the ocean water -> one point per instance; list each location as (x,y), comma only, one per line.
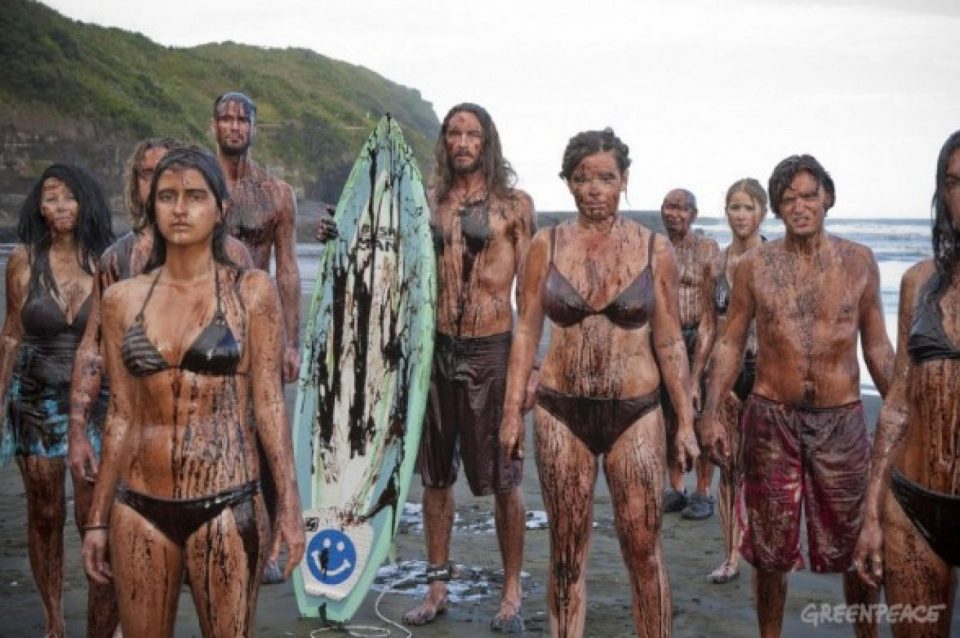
(896,243)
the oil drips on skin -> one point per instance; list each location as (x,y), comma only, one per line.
(475,230)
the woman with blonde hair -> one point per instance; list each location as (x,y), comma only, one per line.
(746,207)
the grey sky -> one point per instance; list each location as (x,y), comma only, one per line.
(704,92)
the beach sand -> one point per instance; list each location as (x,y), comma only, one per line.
(692,549)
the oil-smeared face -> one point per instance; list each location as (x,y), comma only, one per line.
(464,142)
(951,188)
(148,163)
(186,208)
(596,184)
(58,206)
(677,213)
(233,127)
(803,206)
(744,215)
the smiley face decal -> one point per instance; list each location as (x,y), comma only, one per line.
(331,556)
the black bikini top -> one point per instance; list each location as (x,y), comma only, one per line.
(631,309)
(927,339)
(42,316)
(214,352)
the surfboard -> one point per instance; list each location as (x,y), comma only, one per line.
(364,376)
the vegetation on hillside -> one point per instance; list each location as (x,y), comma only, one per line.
(313,112)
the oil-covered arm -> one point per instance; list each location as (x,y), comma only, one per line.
(670,350)
(85,383)
(117,437)
(707,330)
(525,341)
(877,349)
(726,360)
(524,228)
(17,278)
(288,280)
(890,435)
(265,339)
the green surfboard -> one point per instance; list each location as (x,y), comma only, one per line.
(364,376)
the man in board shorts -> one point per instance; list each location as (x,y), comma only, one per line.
(482,228)
(804,441)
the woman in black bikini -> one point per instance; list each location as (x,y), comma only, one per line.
(187,346)
(745,209)
(609,287)
(910,533)
(64,226)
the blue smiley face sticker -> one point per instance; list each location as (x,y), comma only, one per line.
(331,556)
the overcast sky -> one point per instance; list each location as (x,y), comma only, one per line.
(704,92)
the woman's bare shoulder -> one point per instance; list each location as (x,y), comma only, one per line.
(19,260)
(126,292)
(256,287)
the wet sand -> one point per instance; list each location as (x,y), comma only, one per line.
(692,549)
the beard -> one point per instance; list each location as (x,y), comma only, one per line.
(234,150)
(465,169)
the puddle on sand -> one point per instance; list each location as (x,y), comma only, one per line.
(467,583)
(471,519)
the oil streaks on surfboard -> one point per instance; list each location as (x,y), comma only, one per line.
(367,361)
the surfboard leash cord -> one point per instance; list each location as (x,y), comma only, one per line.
(371,631)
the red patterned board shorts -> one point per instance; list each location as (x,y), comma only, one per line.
(791,455)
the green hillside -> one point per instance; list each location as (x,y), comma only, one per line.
(314,112)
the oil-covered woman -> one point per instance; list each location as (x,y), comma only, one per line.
(609,287)
(746,206)
(64,226)
(188,346)
(910,538)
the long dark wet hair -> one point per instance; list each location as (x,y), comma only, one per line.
(131,193)
(180,159)
(497,172)
(92,235)
(946,238)
(787,169)
(590,142)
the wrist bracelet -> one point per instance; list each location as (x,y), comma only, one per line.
(93,526)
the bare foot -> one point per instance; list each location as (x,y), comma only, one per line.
(725,573)
(56,629)
(508,619)
(433,605)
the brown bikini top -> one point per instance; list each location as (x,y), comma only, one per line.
(631,309)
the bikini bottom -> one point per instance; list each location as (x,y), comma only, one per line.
(178,519)
(596,422)
(935,515)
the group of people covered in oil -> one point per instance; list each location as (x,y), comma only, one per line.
(153,367)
